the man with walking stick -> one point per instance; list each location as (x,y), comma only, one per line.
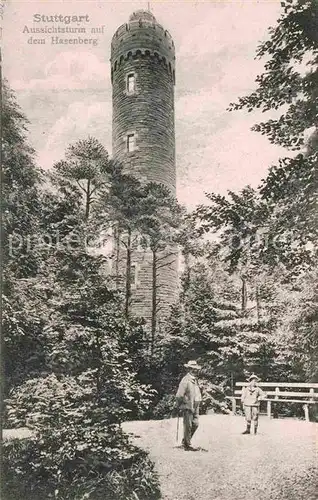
(188,400)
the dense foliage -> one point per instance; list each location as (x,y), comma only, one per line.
(77,363)
(248,301)
(289,82)
(268,236)
(70,354)
(78,446)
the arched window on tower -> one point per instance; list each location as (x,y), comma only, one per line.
(131,83)
(134,276)
(131,142)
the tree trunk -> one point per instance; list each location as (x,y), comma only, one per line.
(88,199)
(258,304)
(232,383)
(99,361)
(128,275)
(187,271)
(154,301)
(244,294)
(117,243)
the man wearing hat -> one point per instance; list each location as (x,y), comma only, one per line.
(251,396)
(188,400)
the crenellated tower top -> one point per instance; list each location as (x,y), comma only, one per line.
(143,35)
(142,14)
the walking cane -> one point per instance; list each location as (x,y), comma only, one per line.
(178,427)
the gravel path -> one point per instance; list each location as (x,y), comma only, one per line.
(280,463)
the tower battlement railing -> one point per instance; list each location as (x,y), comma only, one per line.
(143,35)
(135,25)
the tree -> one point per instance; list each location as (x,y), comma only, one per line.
(119,208)
(190,244)
(236,219)
(80,375)
(296,331)
(265,239)
(66,340)
(140,215)
(210,325)
(292,44)
(83,172)
(21,181)
(290,194)
(21,241)
(290,83)
(160,217)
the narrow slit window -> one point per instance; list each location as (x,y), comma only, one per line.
(133,274)
(131,143)
(131,83)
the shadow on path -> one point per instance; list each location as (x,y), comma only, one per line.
(191,449)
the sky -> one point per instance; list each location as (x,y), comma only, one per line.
(65,90)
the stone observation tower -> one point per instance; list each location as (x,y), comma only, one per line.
(143,140)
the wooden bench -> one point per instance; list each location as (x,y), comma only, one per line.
(282,392)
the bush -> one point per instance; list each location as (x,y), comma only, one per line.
(79,450)
(165,408)
(213,398)
(24,476)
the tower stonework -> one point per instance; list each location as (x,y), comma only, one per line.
(144,51)
(143,133)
